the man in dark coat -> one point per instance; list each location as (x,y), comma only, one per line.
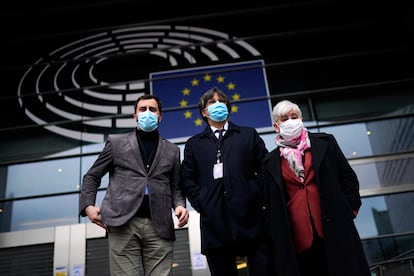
(313,197)
(220,177)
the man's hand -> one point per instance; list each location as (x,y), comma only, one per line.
(94,215)
(182,214)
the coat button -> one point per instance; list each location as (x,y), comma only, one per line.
(302,187)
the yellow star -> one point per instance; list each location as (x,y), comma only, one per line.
(234,108)
(236,97)
(207,77)
(183,103)
(194,82)
(220,79)
(186,91)
(231,86)
(188,114)
(198,122)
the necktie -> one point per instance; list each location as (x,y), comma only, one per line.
(220,133)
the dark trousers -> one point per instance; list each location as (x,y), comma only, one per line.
(222,261)
(313,261)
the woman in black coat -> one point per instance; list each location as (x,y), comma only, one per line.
(313,198)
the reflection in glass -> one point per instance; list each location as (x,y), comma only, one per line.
(353,139)
(43,212)
(390,173)
(365,221)
(388,248)
(87,163)
(385,223)
(387,214)
(374,138)
(367,176)
(93,148)
(391,136)
(43,177)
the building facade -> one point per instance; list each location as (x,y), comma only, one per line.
(68,84)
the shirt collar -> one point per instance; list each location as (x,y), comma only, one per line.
(225,127)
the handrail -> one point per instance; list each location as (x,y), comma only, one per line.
(393,260)
(378,237)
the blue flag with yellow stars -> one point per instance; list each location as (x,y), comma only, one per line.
(180,91)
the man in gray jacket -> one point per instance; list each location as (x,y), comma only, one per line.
(144,172)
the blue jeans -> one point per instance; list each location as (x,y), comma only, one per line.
(136,242)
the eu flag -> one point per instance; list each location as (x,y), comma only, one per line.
(180,90)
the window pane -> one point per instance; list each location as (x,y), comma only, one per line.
(34,142)
(87,163)
(367,176)
(374,138)
(352,139)
(386,248)
(44,177)
(390,136)
(37,213)
(394,172)
(356,104)
(93,148)
(388,214)
(269,140)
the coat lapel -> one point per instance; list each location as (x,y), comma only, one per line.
(157,157)
(318,150)
(273,167)
(133,142)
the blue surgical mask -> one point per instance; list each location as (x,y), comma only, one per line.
(218,112)
(147,121)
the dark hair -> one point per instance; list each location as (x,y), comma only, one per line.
(148,97)
(210,94)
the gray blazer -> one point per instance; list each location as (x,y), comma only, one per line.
(128,178)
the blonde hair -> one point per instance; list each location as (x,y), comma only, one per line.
(282,108)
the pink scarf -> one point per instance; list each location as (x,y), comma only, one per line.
(293,151)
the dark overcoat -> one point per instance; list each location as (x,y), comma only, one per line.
(339,195)
(231,207)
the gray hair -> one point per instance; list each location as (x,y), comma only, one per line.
(282,108)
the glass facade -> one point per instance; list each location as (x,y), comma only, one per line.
(384,169)
(64,92)
(41,180)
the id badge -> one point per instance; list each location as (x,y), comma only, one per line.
(218,170)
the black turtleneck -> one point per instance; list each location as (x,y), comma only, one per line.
(148,143)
